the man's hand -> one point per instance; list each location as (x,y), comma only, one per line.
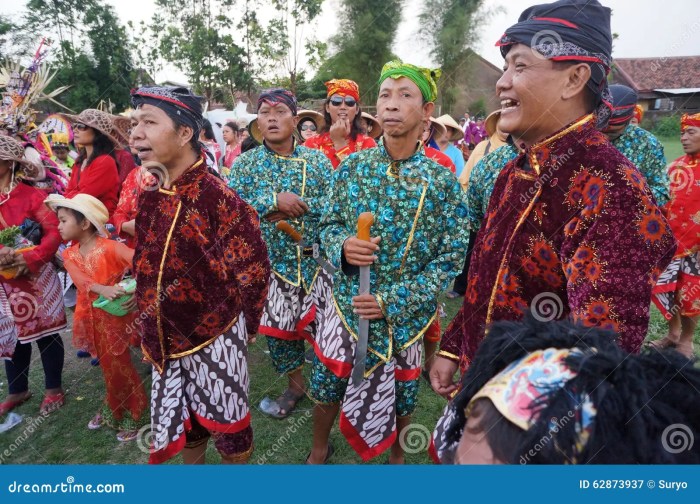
(291,205)
(442,373)
(367,307)
(360,252)
(339,132)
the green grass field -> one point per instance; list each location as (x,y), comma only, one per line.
(63,437)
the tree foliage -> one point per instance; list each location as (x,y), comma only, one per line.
(364,45)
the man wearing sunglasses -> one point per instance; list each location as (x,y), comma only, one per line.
(343,133)
(285,181)
(416,247)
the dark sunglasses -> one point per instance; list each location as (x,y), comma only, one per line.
(80,126)
(305,127)
(337,101)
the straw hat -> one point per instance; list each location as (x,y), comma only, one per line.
(92,208)
(104,123)
(12,150)
(438,125)
(375,130)
(254,131)
(316,117)
(491,122)
(453,129)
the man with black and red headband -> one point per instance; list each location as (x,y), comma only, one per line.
(200,297)
(572,229)
(284,181)
(677,293)
(637,144)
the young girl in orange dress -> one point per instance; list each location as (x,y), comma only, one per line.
(96,265)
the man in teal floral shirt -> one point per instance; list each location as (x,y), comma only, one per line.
(285,181)
(637,144)
(417,247)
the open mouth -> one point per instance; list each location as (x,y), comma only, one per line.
(508,104)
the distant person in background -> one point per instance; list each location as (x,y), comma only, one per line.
(446,142)
(677,293)
(231,136)
(637,144)
(206,137)
(61,150)
(638,115)
(308,126)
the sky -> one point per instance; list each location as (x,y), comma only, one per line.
(646,28)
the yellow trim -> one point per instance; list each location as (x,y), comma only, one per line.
(420,333)
(413,228)
(448,355)
(274,202)
(159,285)
(208,342)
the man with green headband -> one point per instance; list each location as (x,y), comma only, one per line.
(414,251)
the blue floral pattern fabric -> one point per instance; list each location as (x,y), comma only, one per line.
(481,181)
(647,154)
(258,176)
(420,214)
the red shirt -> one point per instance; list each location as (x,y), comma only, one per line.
(324,143)
(440,157)
(683,209)
(99,179)
(126,164)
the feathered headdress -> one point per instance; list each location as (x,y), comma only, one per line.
(23,88)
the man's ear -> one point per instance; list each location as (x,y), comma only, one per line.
(578,77)
(185,133)
(428,109)
(296,121)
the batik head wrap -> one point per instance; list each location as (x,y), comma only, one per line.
(688,120)
(179,103)
(343,87)
(624,100)
(569,30)
(425,78)
(276,96)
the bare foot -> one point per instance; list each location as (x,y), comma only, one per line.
(668,341)
(686,348)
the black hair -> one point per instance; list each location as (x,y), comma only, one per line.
(102,145)
(248,144)
(303,120)
(356,127)
(79,217)
(234,127)
(637,397)
(208,130)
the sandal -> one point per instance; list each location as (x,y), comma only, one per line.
(96,422)
(7,406)
(662,343)
(52,402)
(329,454)
(126,436)
(286,403)
(454,295)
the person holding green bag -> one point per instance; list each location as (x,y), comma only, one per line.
(96,265)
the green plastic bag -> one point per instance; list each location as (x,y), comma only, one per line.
(115,307)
